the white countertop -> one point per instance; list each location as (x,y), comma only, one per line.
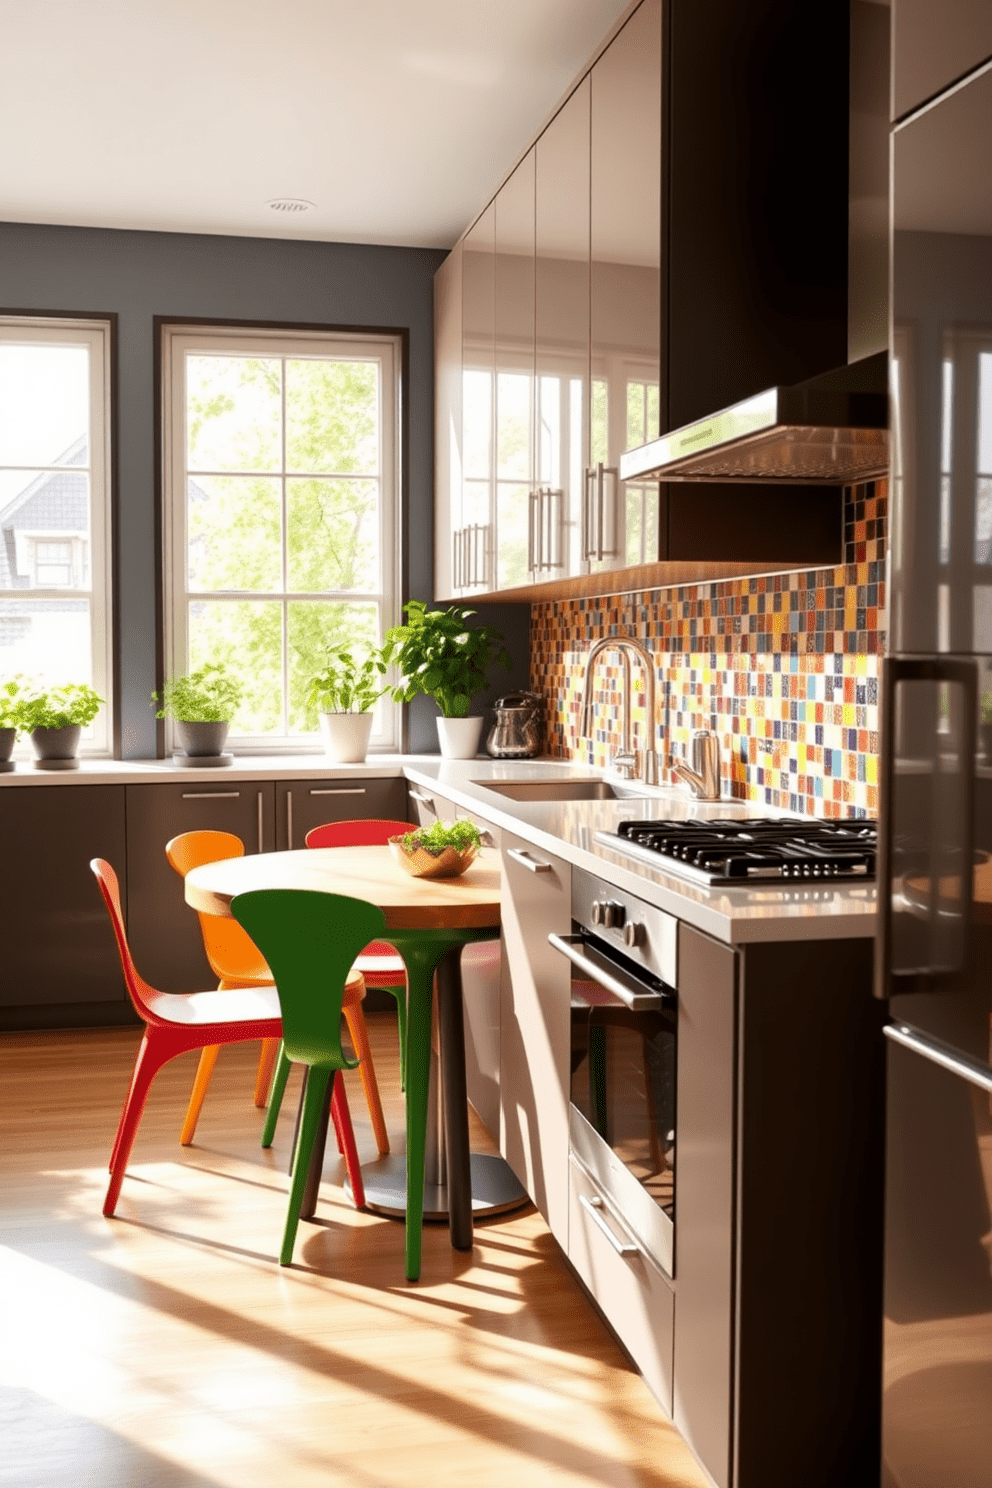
(565,828)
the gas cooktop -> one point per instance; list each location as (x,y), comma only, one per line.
(740,852)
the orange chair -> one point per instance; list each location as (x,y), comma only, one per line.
(237,962)
(379,963)
(177,1022)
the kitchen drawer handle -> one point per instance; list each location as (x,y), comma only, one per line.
(339,790)
(595,1208)
(634,997)
(211,795)
(937,1052)
(427,801)
(535,865)
(261,819)
(289,820)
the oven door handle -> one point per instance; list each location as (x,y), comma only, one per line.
(631,995)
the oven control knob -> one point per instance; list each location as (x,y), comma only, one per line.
(633,934)
(614,915)
(597,911)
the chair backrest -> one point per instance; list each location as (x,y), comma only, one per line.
(138,989)
(232,955)
(366,833)
(310,940)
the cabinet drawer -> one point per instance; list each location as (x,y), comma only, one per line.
(310,803)
(632,1293)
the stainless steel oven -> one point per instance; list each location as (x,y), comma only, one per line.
(624,1021)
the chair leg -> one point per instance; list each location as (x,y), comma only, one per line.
(148,1061)
(355,1019)
(313,1104)
(400,994)
(275,1096)
(208,1058)
(266,1064)
(342,1121)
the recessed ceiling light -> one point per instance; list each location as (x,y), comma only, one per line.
(290,205)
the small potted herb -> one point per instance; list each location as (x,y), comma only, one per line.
(344,694)
(11,694)
(55,718)
(443,850)
(440,655)
(202,704)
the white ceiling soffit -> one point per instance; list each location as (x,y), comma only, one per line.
(396,119)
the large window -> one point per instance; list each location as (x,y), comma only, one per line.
(55,506)
(281,530)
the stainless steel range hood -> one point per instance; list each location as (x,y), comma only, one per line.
(829,431)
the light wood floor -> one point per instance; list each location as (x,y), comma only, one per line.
(167,1349)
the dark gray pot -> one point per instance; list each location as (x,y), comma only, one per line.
(7,738)
(56,743)
(200,740)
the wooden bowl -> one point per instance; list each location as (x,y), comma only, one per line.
(450,863)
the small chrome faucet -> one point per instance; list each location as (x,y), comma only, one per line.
(703,779)
(625,760)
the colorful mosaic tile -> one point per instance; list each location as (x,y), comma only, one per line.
(783,666)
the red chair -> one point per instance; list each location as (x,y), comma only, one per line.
(178,1022)
(379,963)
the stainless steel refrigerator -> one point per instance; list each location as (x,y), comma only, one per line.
(935,880)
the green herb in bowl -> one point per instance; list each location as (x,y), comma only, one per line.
(444,850)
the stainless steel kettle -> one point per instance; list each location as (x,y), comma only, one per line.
(516,734)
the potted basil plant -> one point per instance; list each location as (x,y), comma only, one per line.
(55,718)
(344,694)
(11,695)
(201,703)
(440,655)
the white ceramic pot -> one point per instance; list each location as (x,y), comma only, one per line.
(346,736)
(459,737)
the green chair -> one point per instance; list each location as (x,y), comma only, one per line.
(310,941)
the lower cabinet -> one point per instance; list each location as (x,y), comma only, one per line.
(162,929)
(58,950)
(636,1297)
(302,805)
(535,1027)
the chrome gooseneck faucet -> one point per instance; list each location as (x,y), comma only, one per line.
(626,760)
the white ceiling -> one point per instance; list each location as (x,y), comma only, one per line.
(396,118)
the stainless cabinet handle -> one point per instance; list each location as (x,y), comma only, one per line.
(613,549)
(937,1052)
(289,820)
(534,865)
(595,1209)
(427,801)
(588,541)
(633,996)
(339,790)
(534,531)
(211,795)
(261,835)
(456,558)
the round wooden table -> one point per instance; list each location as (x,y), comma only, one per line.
(429,921)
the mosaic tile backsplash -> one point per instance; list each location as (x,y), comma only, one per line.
(784,667)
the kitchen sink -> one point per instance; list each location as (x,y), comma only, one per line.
(560,790)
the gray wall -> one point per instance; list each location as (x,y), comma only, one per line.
(137,276)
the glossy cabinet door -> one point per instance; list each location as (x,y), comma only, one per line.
(562,336)
(302,805)
(941,370)
(620,524)
(518,550)
(163,930)
(448,423)
(935,42)
(535,1027)
(473,532)
(58,947)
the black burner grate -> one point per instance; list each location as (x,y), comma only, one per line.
(762,848)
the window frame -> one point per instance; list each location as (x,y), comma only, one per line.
(181,338)
(97,333)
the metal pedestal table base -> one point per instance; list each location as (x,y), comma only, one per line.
(495,1189)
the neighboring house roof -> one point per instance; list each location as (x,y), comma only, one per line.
(55,501)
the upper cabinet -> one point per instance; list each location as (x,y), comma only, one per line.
(575,345)
(626,96)
(935,42)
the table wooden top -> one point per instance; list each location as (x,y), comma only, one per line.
(469,903)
